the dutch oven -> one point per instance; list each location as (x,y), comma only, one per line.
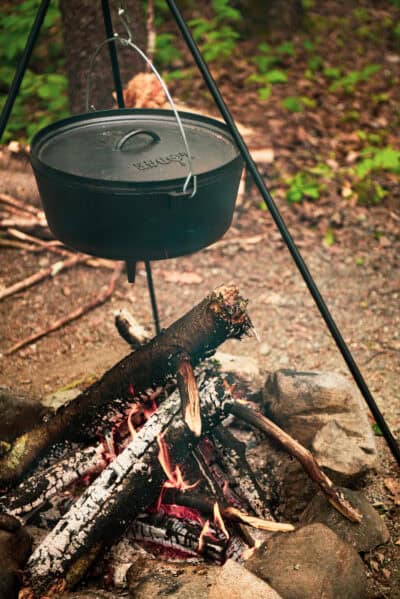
(115,183)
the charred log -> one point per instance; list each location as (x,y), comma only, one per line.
(125,488)
(220,316)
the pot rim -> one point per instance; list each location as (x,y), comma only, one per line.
(123,185)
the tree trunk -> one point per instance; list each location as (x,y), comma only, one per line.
(83,30)
(274,16)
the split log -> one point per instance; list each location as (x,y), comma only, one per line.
(219,316)
(41,486)
(232,454)
(130,484)
(189,393)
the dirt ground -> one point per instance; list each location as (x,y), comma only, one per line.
(358,274)
(363,298)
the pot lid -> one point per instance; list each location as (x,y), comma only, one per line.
(134,145)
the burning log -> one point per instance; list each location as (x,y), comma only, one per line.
(41,486)
(220,316)
(126,487)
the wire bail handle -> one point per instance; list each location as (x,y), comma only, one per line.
(127,42)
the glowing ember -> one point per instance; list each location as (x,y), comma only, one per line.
(133,410)
(218,521)
(182,512)
(247,553)
(131,389)
(206,530)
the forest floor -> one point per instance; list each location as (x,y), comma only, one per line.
(349,237)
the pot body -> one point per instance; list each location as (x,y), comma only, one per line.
(127,221)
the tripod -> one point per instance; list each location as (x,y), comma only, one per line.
(253,170)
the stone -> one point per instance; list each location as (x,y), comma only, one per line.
(242,365)
(149,578)
(15,548)
(365,536)
(61,397)
(236,582)
(18,413)
(324,412)
(313,563)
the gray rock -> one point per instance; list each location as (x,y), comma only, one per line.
(365,536)
(15,548)
(241,365)
(310,563)
(325,412)
(149,578)
(18,413)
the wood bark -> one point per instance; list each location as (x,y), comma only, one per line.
(220,316)
(83,31)
(130,484)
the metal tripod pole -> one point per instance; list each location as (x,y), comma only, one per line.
(297,257)
(120,98)
(23,64)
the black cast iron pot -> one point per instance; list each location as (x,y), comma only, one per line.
(112,182)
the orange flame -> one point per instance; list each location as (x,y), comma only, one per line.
(251,550)
(218,521)
(174,476)
(204,532)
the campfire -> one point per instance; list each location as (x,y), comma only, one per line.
(146,453)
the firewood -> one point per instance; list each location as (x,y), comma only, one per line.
(130,329)
(305,457)
(9,200)
(42,485)
(220,316)
(126,487)
(232,454)
(189,393)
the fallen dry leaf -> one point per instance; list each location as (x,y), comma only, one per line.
(188,278)
(393,486)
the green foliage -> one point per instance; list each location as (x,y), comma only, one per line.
(349,81)
(217,38)
(267,62)
(378,159)
(298,103)
(42,97)
(329,238)
(166,51)
(302,186)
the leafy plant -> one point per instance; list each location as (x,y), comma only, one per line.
(298,103)
(349,81)
(166,51)
(42,97)
(302,185)
(267,62)
(378,159)
(216,36)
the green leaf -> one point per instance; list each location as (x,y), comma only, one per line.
(264,92)
(276,76)
(286,48)
(329,238)
(293,104)
(377,430)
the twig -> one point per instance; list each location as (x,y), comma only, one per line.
(38,276)
(302,454)
(54,246)
(28,225)
(94,303)
(189,393)
(9,243)
(11,201)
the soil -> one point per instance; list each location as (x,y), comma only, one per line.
(358,274)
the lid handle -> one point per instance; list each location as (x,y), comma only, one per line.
(186,191)
(120,144)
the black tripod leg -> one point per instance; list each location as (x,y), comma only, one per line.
(20,72)
(118,88)
(297,257)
